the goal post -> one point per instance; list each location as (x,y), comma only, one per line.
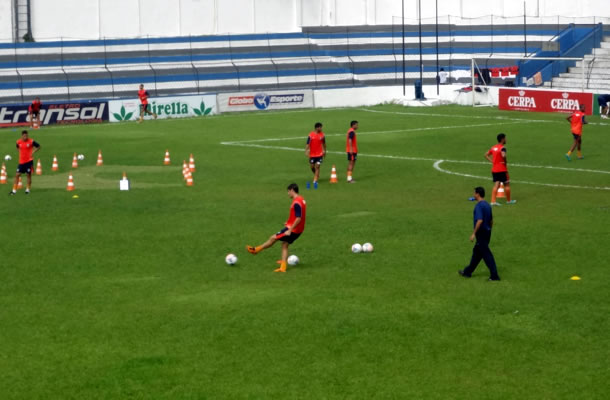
(527,72)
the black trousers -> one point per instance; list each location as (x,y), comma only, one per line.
(480,252)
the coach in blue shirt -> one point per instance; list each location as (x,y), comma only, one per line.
(483,221)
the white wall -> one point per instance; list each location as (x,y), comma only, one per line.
(92,19)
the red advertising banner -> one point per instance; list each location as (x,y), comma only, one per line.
(544,100)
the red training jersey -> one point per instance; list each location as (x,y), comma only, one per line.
(26,148)
(576,121)
(143,95)
(35,106)
(498,153)
(297,209)
(351,134)
(316,144)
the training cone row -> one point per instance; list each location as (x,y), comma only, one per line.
(55,166)
(19,183)
(501,193)
(3,175)
(74,161)
(70,187)
(100,160)
(166,160)
(333,175)
(38,168)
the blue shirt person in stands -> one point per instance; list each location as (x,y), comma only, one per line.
(483,222)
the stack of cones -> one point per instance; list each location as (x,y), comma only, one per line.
(333,175)
(100,161)
(38,168)
(19,183)
(191,163)
(166,161)
(501,191)
(70,186)
(185,169)
(74,161)
(55,166)
(3,175)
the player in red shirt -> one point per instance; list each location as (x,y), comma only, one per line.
(577,120)
(27,147)
(294,226)
(497,157)
(351,148)
(34,112)
(316,150)
(144,106)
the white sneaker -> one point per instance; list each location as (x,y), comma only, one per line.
(604,116)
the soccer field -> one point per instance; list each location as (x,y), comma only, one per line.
(126,294)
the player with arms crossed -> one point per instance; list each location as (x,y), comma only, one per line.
(144,106)
(292,228)
(27,147)
(577,120)
(34,112)
(497,157)
(351,148)
(316,150)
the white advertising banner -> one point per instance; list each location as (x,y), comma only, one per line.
(262,101)
(164,107)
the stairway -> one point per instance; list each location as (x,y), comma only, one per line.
(596,71)
(22,19)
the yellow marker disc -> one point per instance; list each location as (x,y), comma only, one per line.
(575,278)
(75,196)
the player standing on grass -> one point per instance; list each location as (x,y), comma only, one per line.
(27,147)
(497,157)
(34,112)
(144,106)
(316,150)
(351,148)
(577,119)
(292,229)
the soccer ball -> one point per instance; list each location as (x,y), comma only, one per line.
(231,259)
(367,248)
(8,157)
(356,248)
(80,157)
(293,260)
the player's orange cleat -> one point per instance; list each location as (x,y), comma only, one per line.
(252,249)
(282,267)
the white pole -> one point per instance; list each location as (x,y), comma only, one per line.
(582,72)
(472,76)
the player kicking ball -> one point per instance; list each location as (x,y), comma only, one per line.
(27,147)
(292,229)
(316,150)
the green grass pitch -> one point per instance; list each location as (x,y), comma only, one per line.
(126,294)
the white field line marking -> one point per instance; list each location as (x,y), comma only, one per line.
(373,132)
(438,168)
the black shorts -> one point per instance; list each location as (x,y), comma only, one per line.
(500,177)
(316,160)
(144,108)
(288,239)
(352,156)
(35,113)
(577,137)
(25,168)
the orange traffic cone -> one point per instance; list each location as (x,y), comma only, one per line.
(19,183)
(501,191)
(185,169)
(333,175)
(74,161)
(55,166)
(38,168)
(100,161)
(166,161)
(189,179)
(191,163)
(70,186)
(3,175)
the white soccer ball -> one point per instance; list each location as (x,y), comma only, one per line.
(367,248)
(231,259)
(8,157)
(293,260)
(81,157)
(356,248)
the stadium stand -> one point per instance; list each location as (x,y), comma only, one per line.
(317,57)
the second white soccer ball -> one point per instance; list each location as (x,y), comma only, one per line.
(231,259)
(8,157)
(367,248)
(293,260)
(81,157)
(356,248)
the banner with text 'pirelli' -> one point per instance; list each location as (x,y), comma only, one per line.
(263,101)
